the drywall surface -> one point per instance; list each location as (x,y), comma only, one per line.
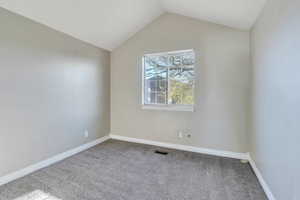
(275,133)
(222,85)
(52,88)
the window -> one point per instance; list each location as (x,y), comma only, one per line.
(168,80)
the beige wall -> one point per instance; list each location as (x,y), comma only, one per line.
(52,88)
(222,86)
(275,135)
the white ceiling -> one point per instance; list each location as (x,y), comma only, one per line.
(108,23)
(239,14)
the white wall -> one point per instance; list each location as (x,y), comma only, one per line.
(52,88)
(275,134)
(222,86)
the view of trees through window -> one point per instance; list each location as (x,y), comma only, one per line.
(169,78)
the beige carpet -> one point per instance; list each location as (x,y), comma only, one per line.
(125,171)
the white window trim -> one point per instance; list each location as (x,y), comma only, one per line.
(164,107)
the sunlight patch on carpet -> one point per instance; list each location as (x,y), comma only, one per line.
(37,195)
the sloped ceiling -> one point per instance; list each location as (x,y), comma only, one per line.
(239,14)
(108,23)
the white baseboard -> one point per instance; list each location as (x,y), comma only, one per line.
(227,154)
(245,156)
(32,168)
(261,180)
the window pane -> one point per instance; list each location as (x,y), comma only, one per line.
(169,78)
(155,85)
(181,79)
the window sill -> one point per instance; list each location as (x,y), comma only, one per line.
(168,108)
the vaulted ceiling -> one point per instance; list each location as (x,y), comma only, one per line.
(108,23)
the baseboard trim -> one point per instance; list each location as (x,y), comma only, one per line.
(261,180)
(227,154)
(45,163)
(35,167)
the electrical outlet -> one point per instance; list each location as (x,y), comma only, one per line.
(86,133)
(180,134)
(185,133)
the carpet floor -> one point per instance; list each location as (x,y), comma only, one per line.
(117,170)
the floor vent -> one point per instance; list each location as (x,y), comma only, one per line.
(161,152)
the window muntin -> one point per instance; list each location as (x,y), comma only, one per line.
(168,79)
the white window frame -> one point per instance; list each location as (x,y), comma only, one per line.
(165,107)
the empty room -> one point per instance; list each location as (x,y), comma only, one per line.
(149,100)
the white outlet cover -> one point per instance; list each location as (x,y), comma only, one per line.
(180,135)
(86,134)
